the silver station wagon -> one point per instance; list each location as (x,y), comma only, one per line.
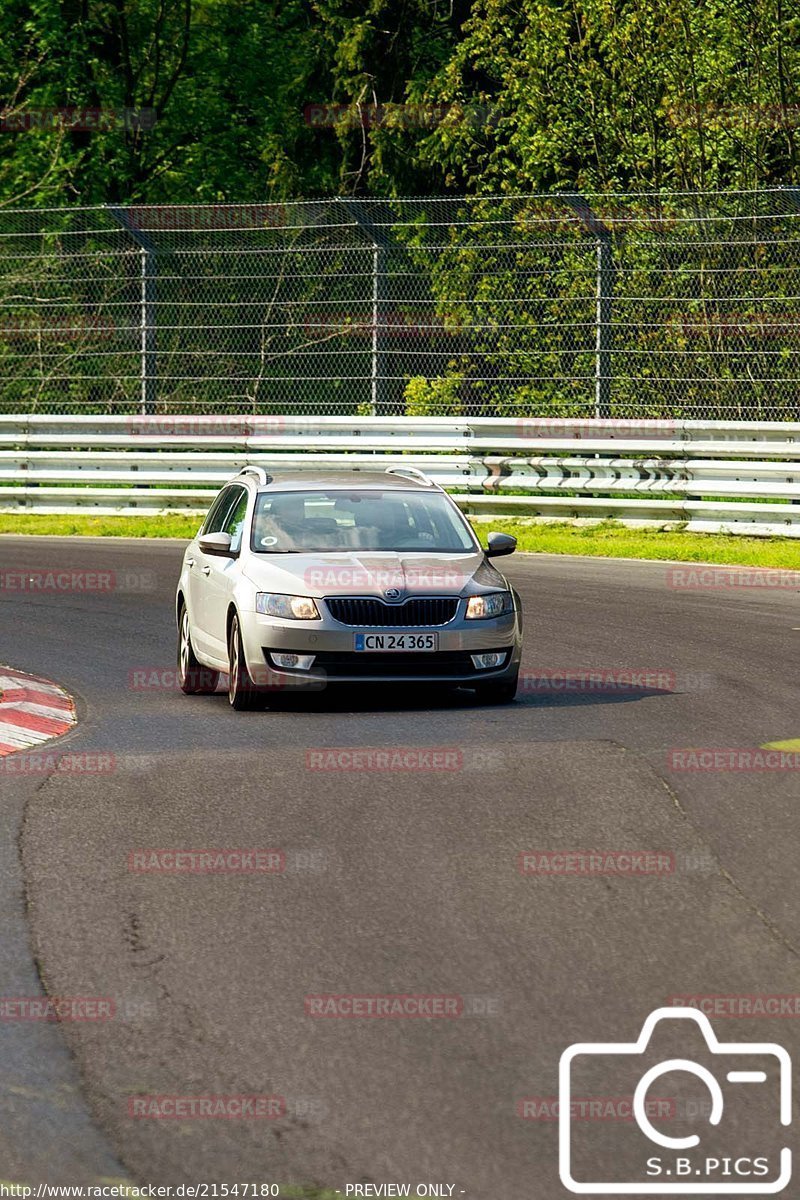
(305,580)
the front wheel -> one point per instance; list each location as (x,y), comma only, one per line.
(497,691)
(193,678)
(242,695)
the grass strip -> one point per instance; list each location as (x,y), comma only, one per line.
(608,539)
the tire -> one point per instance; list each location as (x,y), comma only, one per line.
(497,691)
(242,695)
(193,678)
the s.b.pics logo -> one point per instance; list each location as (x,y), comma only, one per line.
(722,1134)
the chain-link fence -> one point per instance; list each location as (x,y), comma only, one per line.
(623,306)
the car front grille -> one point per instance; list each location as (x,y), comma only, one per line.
(368,611)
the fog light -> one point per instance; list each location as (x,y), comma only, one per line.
(298,662)
(483,662)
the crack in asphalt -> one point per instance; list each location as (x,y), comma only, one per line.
(59,1079)
(764,917)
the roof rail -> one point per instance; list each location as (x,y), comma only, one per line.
(412,473)
(260,474)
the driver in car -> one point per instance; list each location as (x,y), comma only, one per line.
(283,526)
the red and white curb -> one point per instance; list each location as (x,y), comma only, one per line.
(32,711)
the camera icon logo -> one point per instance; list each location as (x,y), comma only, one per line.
(748,1079)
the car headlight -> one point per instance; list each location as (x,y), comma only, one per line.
(294,608)
(492,604)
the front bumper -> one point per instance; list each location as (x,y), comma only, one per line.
(332,644)
(453,666)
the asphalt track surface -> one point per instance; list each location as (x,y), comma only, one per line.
(396,881)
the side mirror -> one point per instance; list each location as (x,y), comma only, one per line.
(216,543)
(501,543)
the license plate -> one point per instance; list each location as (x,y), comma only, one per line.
(390,642)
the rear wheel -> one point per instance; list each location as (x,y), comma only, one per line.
(241,692)
(193,678)
(497,691)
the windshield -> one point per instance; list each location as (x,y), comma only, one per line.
(302,522)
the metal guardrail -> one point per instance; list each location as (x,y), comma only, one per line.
(737,476)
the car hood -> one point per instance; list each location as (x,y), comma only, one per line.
(364,573)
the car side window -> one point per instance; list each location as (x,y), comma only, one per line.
(219,510)
(234,521)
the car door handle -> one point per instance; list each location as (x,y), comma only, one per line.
(190,562)
(206,570)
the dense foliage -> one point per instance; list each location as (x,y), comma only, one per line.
(450,306)
(203,100)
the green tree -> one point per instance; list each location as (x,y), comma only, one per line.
(605,94)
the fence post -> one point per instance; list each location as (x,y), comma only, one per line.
(793,195)
(605,285)
(604,293)
(380,246)
(147,309)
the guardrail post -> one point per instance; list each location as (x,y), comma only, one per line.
(147,309)
(603,303)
